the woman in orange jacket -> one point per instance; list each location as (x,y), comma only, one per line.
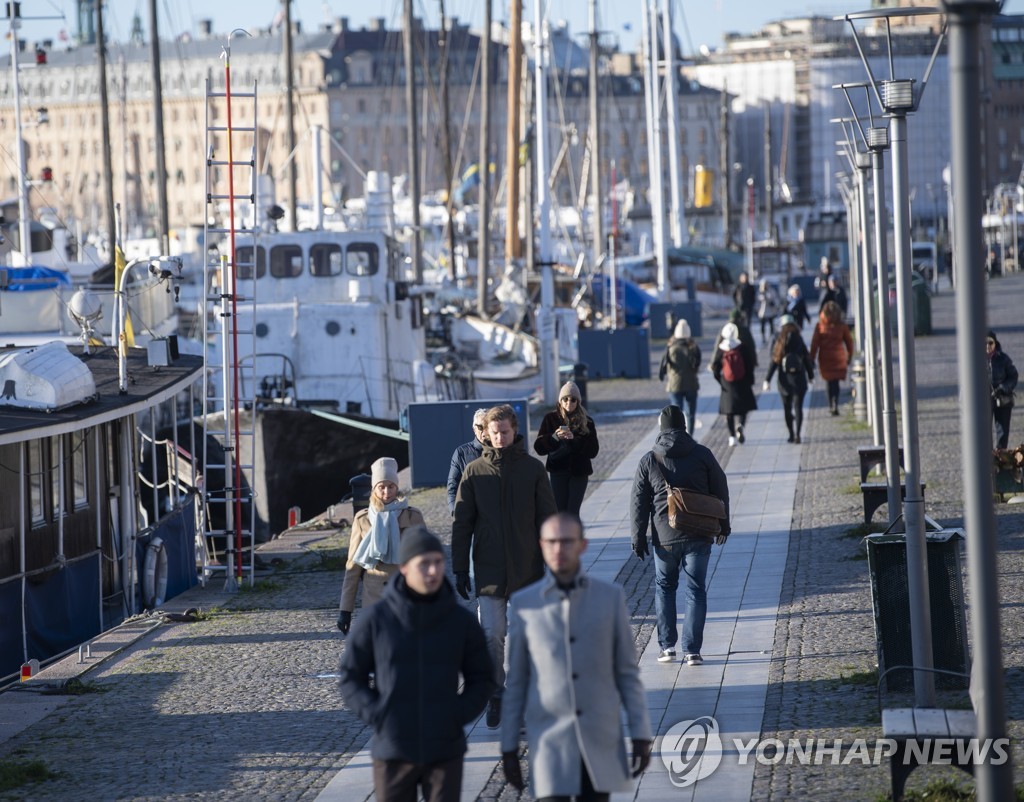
(832,347)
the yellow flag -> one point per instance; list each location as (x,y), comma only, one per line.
(119,266)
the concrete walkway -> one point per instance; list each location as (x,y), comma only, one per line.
(745,578)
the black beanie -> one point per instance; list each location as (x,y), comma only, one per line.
(671,418)
(417,540)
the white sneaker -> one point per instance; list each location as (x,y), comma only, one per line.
(667,656)
(693,659)
(732,440)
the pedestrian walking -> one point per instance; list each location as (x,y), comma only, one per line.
(570,691)
(1002,375)
(733,368)
(744,296)
(832,347)
(795,368)
(375,540)
(679,366)
(768,303)
(676,461)
(465,454)
(568,438)
(834,292)
(821,280)
(796,306)
(503,499)
(401,671)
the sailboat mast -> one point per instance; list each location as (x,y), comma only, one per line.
(724,168)
(595,140)
(414,143)
(769,206)
(108,172)
(24,231)
(158,125)
(446,138)
(483,227)
(513,246)
(677,218)
(293,211)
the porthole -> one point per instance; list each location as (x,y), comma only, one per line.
(262,330)
(332,328)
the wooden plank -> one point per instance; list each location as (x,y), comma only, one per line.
(930,722)
(962,723)
(898,722)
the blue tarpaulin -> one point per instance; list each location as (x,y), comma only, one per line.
(33,279)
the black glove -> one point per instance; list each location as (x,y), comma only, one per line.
(640,549)
(462,584)
(513,773)
(641,756)
(344,621)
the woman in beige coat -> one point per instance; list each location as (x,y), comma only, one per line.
(373,542)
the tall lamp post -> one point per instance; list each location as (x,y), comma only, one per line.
(987,690)
(897,98)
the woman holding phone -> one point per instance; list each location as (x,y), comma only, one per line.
(568,438)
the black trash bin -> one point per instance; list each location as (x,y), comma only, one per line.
(361,488)
(579,376)
(890,600)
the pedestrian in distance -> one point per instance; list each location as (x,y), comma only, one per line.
(733,366)
(832,347)
(568,438)
(503,499)
(795,368)
(796,306)
(375,540)
(465,454)
(1002,375)
(401,671)
(821,280)
(569,690)
(744,297)
(834,292)
(679,366)
(768,303)
(676,461)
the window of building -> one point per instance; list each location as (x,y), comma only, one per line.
(325,260)
(286,261)
(244,262)
(362,259)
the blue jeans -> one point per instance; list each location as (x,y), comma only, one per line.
(689,408)
(691,556)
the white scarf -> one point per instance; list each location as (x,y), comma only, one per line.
(381,542)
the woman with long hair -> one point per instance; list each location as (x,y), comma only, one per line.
(568,438)
(832,347)
(374,540)
(679,371)
(795,368)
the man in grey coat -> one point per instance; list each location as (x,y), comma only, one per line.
(572,669)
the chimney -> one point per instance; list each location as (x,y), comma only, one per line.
(377,24)
(205,28)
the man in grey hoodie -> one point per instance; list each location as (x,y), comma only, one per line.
(676,460)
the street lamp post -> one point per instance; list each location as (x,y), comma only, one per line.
(994,782)
(898,98)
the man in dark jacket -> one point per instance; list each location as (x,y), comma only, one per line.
(416,642)
(464,455)
(1002,374)
(503,499)
(744,296)
(686,464)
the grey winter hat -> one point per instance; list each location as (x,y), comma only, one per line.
(417,540)
(384,469)
(671,417)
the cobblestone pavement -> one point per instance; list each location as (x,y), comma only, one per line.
(244,705)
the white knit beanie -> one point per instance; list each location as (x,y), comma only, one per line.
(383,470)
(682,331)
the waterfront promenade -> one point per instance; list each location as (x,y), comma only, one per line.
(244,704)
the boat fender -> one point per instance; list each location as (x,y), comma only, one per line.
(154,574)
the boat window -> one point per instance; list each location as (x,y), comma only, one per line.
(244,262)
(34,468)
(286,261)
(325,260)
(56,467)
(361,259)
(79,470)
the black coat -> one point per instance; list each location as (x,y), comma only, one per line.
(416,649)
(1002,373)
(798,309)
(566,456)
(687,464)
(737,398)
(793,383)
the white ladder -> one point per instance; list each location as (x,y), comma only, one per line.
(229,387)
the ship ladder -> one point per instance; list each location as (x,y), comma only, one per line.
(229,386)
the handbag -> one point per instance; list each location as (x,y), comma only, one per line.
(693,512)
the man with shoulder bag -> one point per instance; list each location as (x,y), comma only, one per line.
(682,489)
